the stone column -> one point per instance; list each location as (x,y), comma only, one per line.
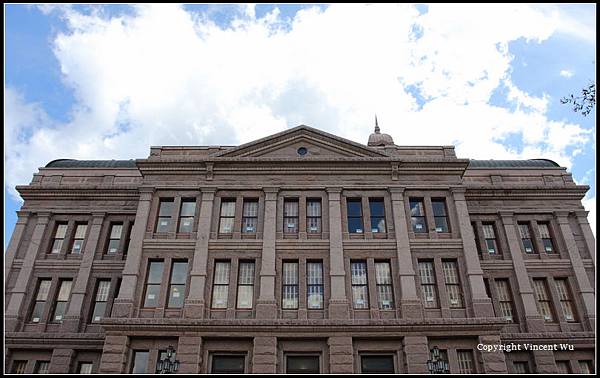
(338,303)
(74,312)
(586,292)
(13,313)
(124,304)
(544,362)
(341,357)
(533,319)
(195,305)
(114,354)
(416,353)
(266,305)
(493,362)
(15,241)
(410,304)
(61,361)
(588,235)
(482,304)
(264,355)
(189,354)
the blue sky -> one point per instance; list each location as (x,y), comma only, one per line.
(103,82)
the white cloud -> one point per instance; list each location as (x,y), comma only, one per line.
(164,76)
(566,73)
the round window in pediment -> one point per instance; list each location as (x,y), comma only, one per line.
(302,151)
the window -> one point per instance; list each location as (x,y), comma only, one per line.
(355,223)
(490,238)
(383,279)
(115,238)
(227,216)
(302,365)
(465,361)
(289,290)
(543,300)
(79,237)
(177,284)
(360,293)
(377,364)
(140,361)
(245,285)
(187,214)
(505,299)
(563,367)
(59,237)
(314,284)
(525,234)
(41,367)
(155,272)
(164,215)
(417,215)
(546,238)
(40,300)
(439,214)
(101,300)
(250,216)
(61,300)
(162,356)
(443,356)
(452,284)
(85,367)
(290,215)
(377,214)
(19,367)
(564,295)
(313,215)
(427,275)
(586,367)
(221,284)
(521,367)
(228,364)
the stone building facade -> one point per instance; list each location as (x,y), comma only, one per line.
(301,252)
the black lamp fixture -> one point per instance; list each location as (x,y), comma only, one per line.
(436,364)
(169,364)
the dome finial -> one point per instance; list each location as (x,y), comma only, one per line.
(377,131)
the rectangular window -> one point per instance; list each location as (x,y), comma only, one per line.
(546,238)
(61,301)
(165,213)
(162,356)
(41,367)
(360,292)
(377,364)
(250,216)
(290,215)
(177,284)
(302,365)
(490,238)
(40,300)
(155,272)
(245,292)
(543,299)
(221,284)
(314,284)
(465,361)
(563,367)
(187,215)
(85,367)
(377,209)
(80,230)
(439,214)
(59,237)
(114,240)
(452,281)
(383,279)
(417,215)
(564,295)
(443,356)
(505,299)
(427,275)
(227,216)
(313,215)
(521,367)
(355,222)
(586,367)
(19,367)
(140,361)
(228,364)
(289,288)
(525,234)
(101,300)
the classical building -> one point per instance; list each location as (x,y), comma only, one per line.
(301,252)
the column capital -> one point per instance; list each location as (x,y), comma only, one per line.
(270,193)
(208,194)
(146,193)
(397,193)
(506,214)
(22,216)
(43,216)
(334,190)
(582,215)
(561,214)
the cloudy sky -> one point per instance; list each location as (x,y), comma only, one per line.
(107,82)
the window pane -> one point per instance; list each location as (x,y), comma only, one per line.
(315,297)
(59,311)
(140,362)
(416,207)
(152,292)
(544,231)
(290,297)
(376,206)
(354,207)
(222,273)
(386,299)
(313,208)
(418,224)
(99,311)
(360,297)
(42,367)
(116,230)
(359,273)
(103,289)
(85,368)
(65,290)
(61,231)
(246,273)
(450,272)
(382,273)
(250,208)
(188,208)
(290,208)
(179,272)
(524,231)
(228,364)
(245,294)
(176,296)
(441,224)
(113,245)
(57,246)
(186,224)
(228,208)
(426,272)
(439,207)
(355,225)
(314,272)
(19,367)
(488,231)
(166,207)
(377,364)
(220,296)
(302,365)
(38,310)
(226,225)
(465,361)
(80,231)
(43,290)
(290,273)
(249,224)
(155,272)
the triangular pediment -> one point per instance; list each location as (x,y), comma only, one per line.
(286,144)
